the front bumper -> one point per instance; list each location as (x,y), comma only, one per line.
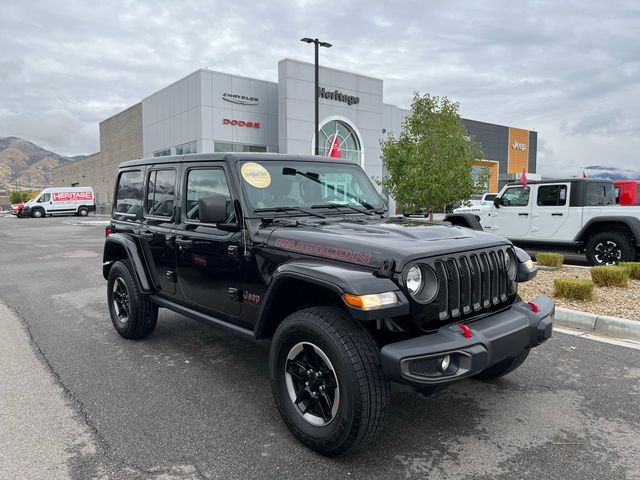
(493,339)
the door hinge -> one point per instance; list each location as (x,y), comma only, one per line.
(235,294)
(171,276)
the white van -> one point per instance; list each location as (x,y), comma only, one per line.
(60,201)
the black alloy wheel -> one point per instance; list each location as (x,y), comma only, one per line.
(312,384)
(83,212)
(37,213)
(120,296)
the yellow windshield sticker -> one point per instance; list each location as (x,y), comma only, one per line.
(255,175)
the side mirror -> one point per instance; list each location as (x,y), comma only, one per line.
(212,209)
(496,202)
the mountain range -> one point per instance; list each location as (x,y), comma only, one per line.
(598,171)
(26,164)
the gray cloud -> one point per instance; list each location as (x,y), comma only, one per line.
(566,69)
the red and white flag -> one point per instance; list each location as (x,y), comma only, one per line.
(334,151)
(523,178)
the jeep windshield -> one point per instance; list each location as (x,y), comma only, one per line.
(298,187)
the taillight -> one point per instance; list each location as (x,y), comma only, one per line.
(107,232)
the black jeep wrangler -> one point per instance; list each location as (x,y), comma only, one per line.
(298,253)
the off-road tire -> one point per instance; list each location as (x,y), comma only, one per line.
(504,367)
(83,211)
(621,240)
(355,358)
(38,213)
(142,314)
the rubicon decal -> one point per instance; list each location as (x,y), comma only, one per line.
(71,196)
(240,123)
(324,251)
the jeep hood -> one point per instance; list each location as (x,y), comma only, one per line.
(373,242)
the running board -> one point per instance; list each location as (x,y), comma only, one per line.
(204,318)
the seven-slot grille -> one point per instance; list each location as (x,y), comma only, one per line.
(470,282)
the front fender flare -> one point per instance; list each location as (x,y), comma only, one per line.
(114,245)
(339,279)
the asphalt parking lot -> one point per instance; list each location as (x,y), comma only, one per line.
(193,402)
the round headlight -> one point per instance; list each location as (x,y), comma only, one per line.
(414,280)
(510,264)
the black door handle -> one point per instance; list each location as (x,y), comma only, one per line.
(557,214)
(523,214)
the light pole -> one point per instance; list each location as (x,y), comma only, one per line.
(317,44)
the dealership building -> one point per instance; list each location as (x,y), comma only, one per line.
(209,111)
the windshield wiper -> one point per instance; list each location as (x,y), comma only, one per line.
(337,205)
(286,209)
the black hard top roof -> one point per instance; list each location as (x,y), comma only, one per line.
(562,180)
(233,157)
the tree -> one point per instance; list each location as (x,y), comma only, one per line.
(429,164)
(18,196)
(15,196)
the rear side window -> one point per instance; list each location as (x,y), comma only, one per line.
(161,192)
(552,195)
(128,202)
(597,195)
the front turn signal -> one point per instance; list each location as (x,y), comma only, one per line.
(371,301)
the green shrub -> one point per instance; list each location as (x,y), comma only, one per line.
(550,259)
(633,268)
(573,288)
(610,276)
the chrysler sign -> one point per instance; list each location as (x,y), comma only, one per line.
(240,99)
(338,96)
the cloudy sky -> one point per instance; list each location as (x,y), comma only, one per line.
(569,70)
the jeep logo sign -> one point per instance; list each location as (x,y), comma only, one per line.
(519,146)
(338,96)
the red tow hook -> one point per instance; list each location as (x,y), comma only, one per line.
(534,307)
(466,331)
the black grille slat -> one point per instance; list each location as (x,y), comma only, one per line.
(442,296)
(502,273)
(453,278)
(465,285)
(485,274)
(493,266)
(476,283)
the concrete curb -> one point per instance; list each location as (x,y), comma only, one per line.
(612,326)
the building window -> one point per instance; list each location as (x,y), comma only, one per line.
(187,148)
(477,172)
(338,137)
(223,147)
(162,153)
